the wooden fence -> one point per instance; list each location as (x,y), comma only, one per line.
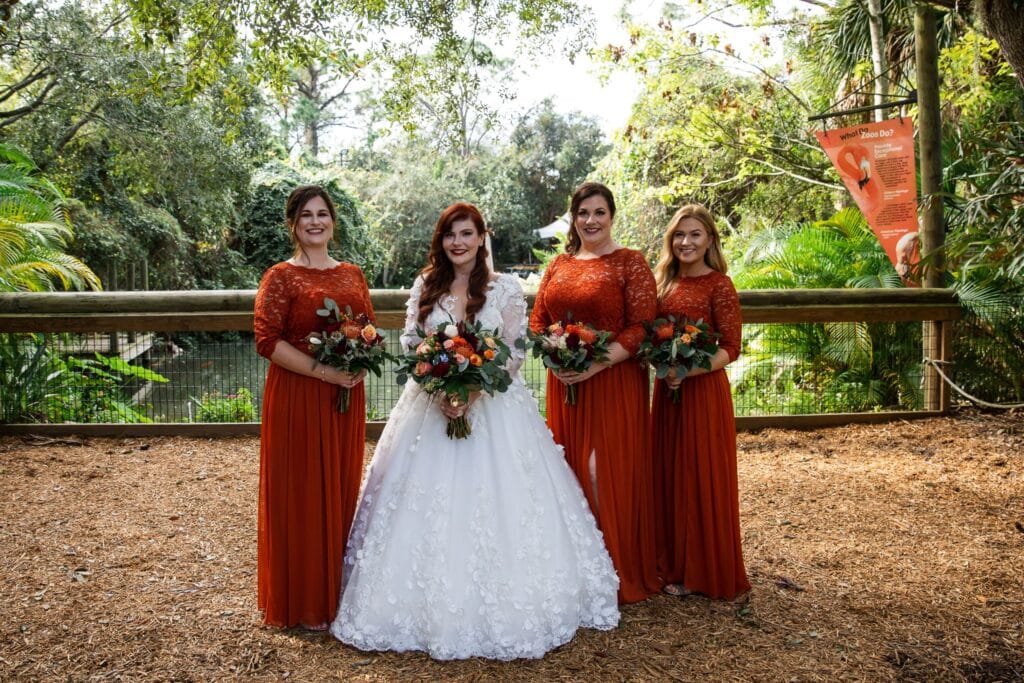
(232,310)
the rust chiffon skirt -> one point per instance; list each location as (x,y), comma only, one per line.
(698,514)
(610,419)
(311,459)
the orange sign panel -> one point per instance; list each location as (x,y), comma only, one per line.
(876,162)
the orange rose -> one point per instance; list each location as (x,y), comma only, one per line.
(691,329)
(663,332)
(586,335)
(488,354)
(369,334)
(351,330)
(686,338)
(476,360)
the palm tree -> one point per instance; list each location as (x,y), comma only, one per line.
(826,367)
(34,231)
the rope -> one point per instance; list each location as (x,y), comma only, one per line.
(935,364)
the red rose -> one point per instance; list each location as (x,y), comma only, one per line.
(440,370)
(572,340)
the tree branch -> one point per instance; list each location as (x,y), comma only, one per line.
(10,90)
(831,186)
(12,115)
(70,133)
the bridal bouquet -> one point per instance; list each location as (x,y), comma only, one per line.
(678,344)
(457,359)
(574,346)
(347,342)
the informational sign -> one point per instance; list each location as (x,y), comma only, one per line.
(876,162)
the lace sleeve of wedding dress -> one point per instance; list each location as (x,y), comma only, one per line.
(513,319)
(412,311)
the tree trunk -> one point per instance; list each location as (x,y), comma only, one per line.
(878,61)
(1004,21)
(312,138)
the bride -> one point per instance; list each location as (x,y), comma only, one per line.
(475,547)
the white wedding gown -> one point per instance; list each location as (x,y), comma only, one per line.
(476,547)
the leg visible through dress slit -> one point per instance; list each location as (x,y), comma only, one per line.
(592,466)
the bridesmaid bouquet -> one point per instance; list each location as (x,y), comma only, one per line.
(457,359)
(573,346)
(680,344)
(347,342)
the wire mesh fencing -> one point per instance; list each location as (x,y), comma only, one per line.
(784,369)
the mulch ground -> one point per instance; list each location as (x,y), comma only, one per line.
(876,553)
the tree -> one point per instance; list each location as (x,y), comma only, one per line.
(34,231)
(702,132)
(1004,21)
(534,175)
(275,36)
(402,201)
(831,366)
(261,236)
(156,178)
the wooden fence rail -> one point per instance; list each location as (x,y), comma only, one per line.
(231,310)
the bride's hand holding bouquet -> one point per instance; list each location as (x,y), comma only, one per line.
(677,348)
(457,360)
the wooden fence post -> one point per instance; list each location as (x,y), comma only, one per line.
(930,148)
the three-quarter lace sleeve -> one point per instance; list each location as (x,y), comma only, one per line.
(271,310)
(641,301)
(513,320)
(727,317)
(540,318)
(367,301)
(409,337)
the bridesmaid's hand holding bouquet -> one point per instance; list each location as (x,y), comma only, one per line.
(349,343)
(678,346)
(457,360)
(571,347)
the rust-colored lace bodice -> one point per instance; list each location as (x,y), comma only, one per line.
(713,298)
(614,292)
(289,296)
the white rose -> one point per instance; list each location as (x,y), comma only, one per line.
(451,331)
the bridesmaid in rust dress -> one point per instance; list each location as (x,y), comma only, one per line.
(694,450)
(604,435)
(311,455)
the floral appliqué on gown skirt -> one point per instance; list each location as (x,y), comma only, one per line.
(477,547)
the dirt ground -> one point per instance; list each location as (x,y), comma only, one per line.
(883,552)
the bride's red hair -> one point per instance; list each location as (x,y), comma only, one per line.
(438,274)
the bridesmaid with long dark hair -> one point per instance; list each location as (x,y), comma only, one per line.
(604,434)
(694,445)
(311,455)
